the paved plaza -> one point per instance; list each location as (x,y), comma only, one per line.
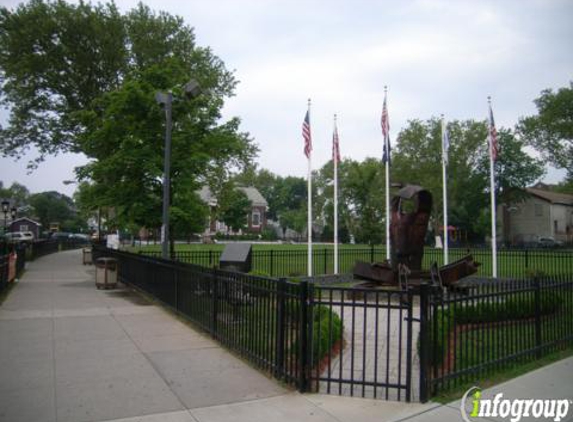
(70,352)
(375,351)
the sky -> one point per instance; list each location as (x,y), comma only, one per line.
(435,57)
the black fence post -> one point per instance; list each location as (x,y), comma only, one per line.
(371,254)
(526,259)
(281,328)
(538,337)
(425,342)
(325,261)
(304,334)
(176,276)
(272,263)
(214,303)
(409,346)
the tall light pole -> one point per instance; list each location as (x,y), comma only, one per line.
(166,99)
(192,90)
(5,207)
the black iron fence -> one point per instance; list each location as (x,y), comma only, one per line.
(369,334)
(284,262)
(401,345)
(317,339)
(261,318)
(492,326)
(47,246)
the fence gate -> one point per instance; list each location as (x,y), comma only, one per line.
(362,343)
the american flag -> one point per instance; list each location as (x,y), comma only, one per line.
(306,135)
(492,136)
(335,146)
(386,133)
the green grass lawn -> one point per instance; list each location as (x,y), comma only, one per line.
(489,338)
(284,260)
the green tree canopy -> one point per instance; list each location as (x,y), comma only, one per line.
(233,207)
(56,58)
(85,79)
(283,194)
(551,130)
(53,207)
(418,160)
(361,187)
(18,193)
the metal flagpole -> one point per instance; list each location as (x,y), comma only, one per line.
(387,187)
(445,145)
(335,156)
(385,130)
(309,223)
(491,139)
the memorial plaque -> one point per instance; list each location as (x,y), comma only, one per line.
(236,257)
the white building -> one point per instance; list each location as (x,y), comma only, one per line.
(543,214)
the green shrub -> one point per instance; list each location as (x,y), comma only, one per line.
(515,308)
(326,330)
(269,234)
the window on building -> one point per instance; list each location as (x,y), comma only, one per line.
(256,219)
(24,228)
(538,210)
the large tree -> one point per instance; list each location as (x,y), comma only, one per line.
(17,193)
(418,159)
(234,207)
(85,80)
(362,193)
(53,207)
(55,59)
(323,201)
(551,130)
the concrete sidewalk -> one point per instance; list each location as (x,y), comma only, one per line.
(70,352)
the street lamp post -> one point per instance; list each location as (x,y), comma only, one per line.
(192,90)
(5,207)
(166,99)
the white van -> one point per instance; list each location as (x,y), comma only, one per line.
(19,237)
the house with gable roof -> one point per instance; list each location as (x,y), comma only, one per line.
(543,213)
(256,219)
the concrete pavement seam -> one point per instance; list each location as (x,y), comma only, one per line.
(263,399)
(157,371)
(431,409)
(320,408)
(150,414)
(54,370)
(449,405)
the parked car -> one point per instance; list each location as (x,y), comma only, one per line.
(80,237)
(60,236)
(548,242)
(20,237)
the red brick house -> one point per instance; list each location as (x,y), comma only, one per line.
(256,219)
